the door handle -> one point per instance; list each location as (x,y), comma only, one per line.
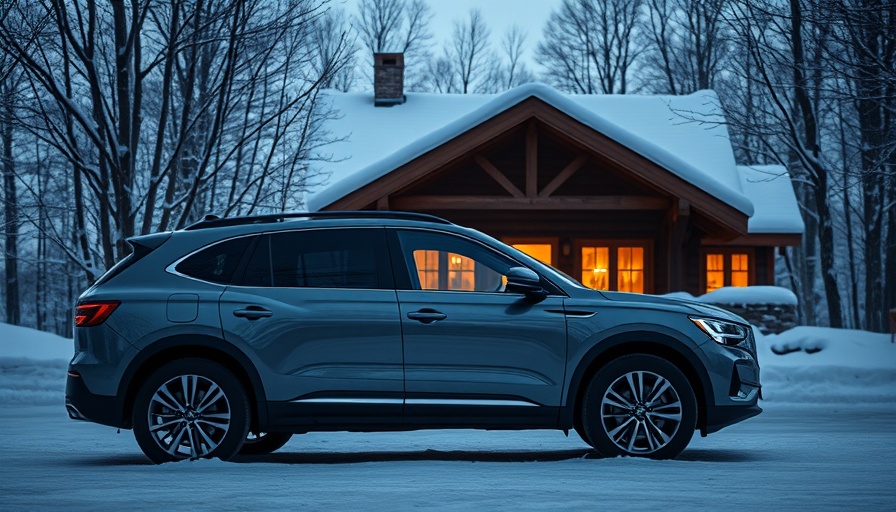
(427,316)
(252,313)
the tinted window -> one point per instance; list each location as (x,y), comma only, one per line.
(217,262)
(445,262)
(323,258)
(258,270)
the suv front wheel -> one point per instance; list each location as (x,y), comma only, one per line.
(191,409)
(639,405)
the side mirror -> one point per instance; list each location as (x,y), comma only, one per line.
(526,281)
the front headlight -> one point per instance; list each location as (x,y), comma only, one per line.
(726,333)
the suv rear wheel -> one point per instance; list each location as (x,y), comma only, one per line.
(191,409)
(639,405)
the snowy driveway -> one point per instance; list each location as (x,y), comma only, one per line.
(792,457)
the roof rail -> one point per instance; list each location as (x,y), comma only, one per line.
(211,221)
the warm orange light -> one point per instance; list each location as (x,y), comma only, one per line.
(541,252)
(740,273)
(630,272)
(596,267)
(715,271)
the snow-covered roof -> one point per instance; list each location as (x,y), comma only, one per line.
(770,190)
(684,134)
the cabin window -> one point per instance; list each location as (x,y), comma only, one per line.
(614,267)
(596,267)
(727,268)
(541,252)
(630,274)
(715,272)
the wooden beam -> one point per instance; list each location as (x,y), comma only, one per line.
(530,203)
(382,203)
(759,240)
(564,175)
(531,160)
(497,176)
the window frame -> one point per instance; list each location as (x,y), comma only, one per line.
(402,270)
(726,264)
(385,278)
(614,244)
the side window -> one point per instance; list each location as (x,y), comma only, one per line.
(438,261)
(324,258)
(216,263)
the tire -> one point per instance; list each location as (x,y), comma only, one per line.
(264,443)
(641,406)
(191,409)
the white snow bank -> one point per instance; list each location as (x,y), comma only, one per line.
(825,365)
(816,346)
(32,365)
(750,295)
(18,341)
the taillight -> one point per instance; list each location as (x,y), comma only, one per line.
(89,314)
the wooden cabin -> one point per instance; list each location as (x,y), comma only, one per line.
(624,193)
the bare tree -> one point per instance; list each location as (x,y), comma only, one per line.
(440,76)
(512,71)
(396,26)
(8,89)
(783,57)
(688,41)
(589,45)
(865,58)
(144,115)
(469,50)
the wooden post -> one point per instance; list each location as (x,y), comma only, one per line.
(681,212)
(531,160)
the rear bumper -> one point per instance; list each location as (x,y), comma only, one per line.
(81,404)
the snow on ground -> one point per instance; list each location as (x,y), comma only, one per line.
(824,442)
(788,458)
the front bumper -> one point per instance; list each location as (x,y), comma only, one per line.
(719,417)
(81,404)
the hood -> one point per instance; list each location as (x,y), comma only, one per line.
(692,307)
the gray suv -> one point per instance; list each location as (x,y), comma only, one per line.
(233,334)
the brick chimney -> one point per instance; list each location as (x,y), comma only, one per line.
(388,79)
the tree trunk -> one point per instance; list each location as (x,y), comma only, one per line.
(812,161)
(11,209)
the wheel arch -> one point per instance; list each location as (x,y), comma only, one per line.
(636,342)
(184,346)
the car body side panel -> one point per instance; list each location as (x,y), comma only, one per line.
(342,343)
(489,345)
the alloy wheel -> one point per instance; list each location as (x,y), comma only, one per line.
(189,416)
(641,412)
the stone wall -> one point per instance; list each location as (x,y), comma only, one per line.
(770,318)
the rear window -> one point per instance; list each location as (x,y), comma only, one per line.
(336,258)
(215,263)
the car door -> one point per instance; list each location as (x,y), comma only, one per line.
(473,352)
(319,310)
